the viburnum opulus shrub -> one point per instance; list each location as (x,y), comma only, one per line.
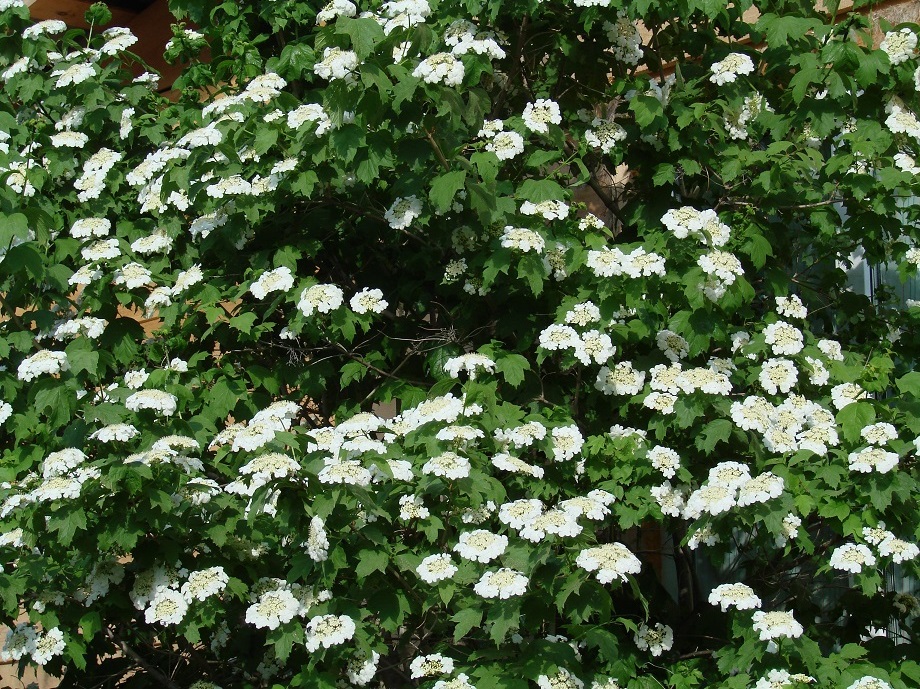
(404,413)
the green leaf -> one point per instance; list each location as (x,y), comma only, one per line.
(89,624)
(504,616)
(365,34)
(664,174)
(712,434)
(243,322)
(24,258)
(444,188)
(512,367)
(909,384)
(370,561)
(537,190)
(853,418)
(82,356)
(465,620)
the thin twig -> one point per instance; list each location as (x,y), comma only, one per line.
(437,149)
(136,657)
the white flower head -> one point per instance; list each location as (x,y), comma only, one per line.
(899,46)
(540,114)
(277,280)
(368,301)
(503,583)
(430,665)
(440,68)
(775,625)
(655,639)
(321,298)
(730,67)
(435,568)
(328,631)
(403,211)
(610,561)
(741,596)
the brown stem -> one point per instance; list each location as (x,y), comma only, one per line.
(136,657)
(437,149)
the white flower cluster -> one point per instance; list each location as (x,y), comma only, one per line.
(540,114)
(739,596)
(337,64)
(469,363)
(321,298)
(522,239)
(610,262)
(899,46)
(655,639)
(610,561)
(729,68)
(464,37)
(604,134)
(730,484)
(440,68)
(25,640)
(777,624)
(624,37)
(403,212)
(277,280)
(92,182)
(901,121)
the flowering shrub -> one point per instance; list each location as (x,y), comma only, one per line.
(460,344)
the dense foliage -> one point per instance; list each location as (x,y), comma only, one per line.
(321,373)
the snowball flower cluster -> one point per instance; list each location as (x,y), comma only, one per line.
(740,596)
(328,631)
(337,64)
